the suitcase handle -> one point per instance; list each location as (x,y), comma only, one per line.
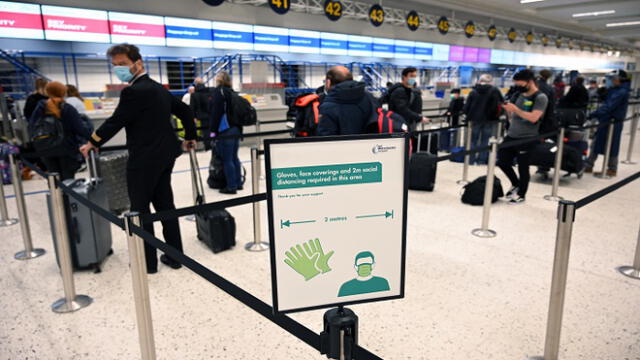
(91,166)
(196,179)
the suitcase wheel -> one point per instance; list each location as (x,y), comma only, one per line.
(97,269)
(110,252)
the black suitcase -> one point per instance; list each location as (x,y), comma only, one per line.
(217,229)
(544,155)
(216,179)
(112,168)
(422,171)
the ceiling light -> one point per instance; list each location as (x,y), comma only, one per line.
(594,13)
(628,23)
(529,1)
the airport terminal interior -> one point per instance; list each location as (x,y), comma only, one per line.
(406,238)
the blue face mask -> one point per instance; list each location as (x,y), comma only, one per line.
(411,81)
(609,83)
(123,73)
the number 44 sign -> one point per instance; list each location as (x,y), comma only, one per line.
(337,220)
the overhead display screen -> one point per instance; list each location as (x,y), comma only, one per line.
(360,45)
(73,24)
(232,36)
(136,29)
(484,55)
(188,32)
(456,53)
(333,44)
(20,21)
(267,38)
(304,41)
(404,49)
(383,48)
(441,52)
(423,51)
(470,54)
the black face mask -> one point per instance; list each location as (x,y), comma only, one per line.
(521,89)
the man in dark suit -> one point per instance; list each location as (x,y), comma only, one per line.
(144,111)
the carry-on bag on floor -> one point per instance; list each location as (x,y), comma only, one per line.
(89,233)
(112,168)
(216,179)
(457,150)
(544,155)
(474,191)
(215,228)
(422,171)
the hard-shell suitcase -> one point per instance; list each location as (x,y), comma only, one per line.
(422,171)
(89,233)
(215,228)
(544,155)
(112,168)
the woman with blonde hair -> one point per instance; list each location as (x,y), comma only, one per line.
(35,97)
(60,158)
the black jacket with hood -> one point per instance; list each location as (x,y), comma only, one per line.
(201,102)
(346,109)
(480,101)
(404,101)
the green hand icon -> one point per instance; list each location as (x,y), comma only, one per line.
(302,263)
(314,246)
(308,259)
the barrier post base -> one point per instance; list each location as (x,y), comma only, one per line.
(630,271)
(553,198)
(257,246)
(63,306)
(602,175)
(484,233)
(8,222)
(26,255)
(628,162)
(462,182)
(340,336)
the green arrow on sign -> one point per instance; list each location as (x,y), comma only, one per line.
(288,223)
(386,215)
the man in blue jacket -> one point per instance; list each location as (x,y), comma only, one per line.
(347,107)
(614,108)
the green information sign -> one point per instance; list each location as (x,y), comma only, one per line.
(326,175)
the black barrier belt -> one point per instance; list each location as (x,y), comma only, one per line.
(293,327)
(434,109)
(609,189)
(603,124)
(219,205)
(261,152)
(92,206)
(418,132)
(273,122)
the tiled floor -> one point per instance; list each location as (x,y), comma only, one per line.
(466,297)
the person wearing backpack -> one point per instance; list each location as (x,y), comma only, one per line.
(524,115)
(222,123)
(56,131)
(482,109)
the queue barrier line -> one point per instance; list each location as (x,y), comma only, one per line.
(609,189)
(190,210)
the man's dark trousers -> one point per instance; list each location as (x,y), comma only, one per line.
(153,186)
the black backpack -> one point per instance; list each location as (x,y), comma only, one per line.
(474,191)
(386,122)
(549,122)
(240,111)
(307,114)
(46,133)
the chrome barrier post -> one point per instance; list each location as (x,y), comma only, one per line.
(634,270)
(71,301)
(5,220)
(29,252)
(556,169)
(566,215)
(257,244)
(467,147)
(484,231)
(138,265)
(259,137)
(607,152)
(632,139)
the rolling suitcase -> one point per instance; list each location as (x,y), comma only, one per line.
(422,171)
(89,233)
(112,168)
(215,228)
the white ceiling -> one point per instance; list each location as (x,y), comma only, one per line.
(548,15)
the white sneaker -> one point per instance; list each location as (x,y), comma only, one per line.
(516,199)
(512,192)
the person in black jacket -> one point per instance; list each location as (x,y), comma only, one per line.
(34,98)
(456,105)
(200,104)
(61,160)
(482,110)
(347,107)
(577,97)
(144,111)
(223,125)
(403,99)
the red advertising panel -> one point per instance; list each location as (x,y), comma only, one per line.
(136,29)
(73,24)
(20,21)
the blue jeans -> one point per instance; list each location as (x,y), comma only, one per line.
(228,150)
(480,135)
(448,139)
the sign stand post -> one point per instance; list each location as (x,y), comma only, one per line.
(340,335)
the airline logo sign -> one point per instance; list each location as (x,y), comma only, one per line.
(72,24)
(136,29)
(20,21)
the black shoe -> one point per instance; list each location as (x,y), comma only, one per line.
(152,271)
(228,191)
(240,188)
(169,262)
